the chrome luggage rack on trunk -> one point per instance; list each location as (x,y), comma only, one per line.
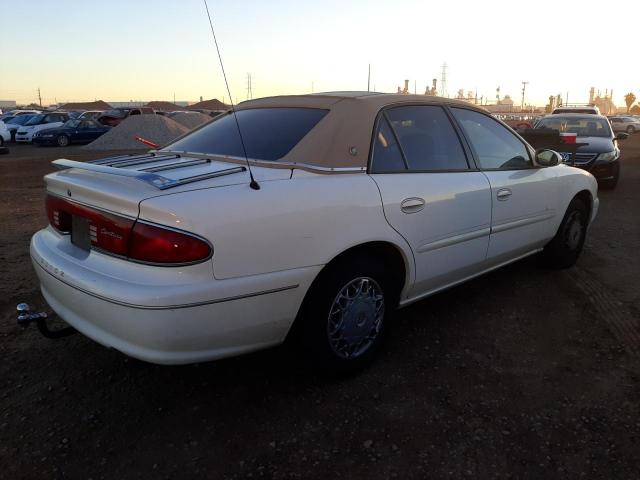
(118,165)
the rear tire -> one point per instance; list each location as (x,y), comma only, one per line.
(565,248)
(62,141)
(344,318)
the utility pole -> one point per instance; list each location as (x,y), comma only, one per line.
(39,98)
(443,81)
(369,79)
(311,86)
(524,89)
(249,89)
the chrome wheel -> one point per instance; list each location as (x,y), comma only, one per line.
(63,140)
(355,317)
(574,230)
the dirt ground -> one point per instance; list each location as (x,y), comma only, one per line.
(522,373)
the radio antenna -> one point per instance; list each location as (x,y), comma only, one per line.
(253,184)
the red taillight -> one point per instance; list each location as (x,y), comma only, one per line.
(126,237)
(159,245)
(59,218)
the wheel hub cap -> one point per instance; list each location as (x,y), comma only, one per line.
(574,232)
(355,318)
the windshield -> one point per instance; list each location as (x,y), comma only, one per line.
(589,126)
(72,124)
(268,133)
(35,120)
(20,119)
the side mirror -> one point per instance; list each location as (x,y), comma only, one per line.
(622,136)
(548,158)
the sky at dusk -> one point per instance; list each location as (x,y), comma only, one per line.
(152,50)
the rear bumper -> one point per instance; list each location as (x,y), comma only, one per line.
(237,316)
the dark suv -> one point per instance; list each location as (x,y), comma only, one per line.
(600,155)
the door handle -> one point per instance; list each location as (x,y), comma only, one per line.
(503,194)
(412,204)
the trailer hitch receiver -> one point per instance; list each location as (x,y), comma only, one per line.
(26,317)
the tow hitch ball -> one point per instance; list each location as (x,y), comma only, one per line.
(26,317)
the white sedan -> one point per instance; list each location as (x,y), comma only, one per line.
(38,123)
(361,203)
(5,135)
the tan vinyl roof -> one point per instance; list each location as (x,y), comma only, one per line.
(342,139)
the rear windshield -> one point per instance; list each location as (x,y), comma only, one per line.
(268,133)
(117,113)
(574,110)
(589,126)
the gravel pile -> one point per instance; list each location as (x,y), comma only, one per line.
(156,128)
(191,120)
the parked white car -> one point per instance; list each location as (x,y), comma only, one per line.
(38,123)
(362,203)
(5,136)
(625,124)
(17,113)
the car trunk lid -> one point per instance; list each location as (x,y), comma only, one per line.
(119,184)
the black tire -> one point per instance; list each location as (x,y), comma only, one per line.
(610,183)
(4,150)
(1,141)
(13,135)
(565,248)
(330,353)
(62,141)
(631,129)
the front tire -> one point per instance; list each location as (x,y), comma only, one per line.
(610,183)
(62,141)
(565,248)
(343,320)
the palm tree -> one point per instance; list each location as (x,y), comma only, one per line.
(629,98)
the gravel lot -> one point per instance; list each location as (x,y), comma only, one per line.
(522,373)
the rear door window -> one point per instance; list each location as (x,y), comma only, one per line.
(268,133)
(427,138)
